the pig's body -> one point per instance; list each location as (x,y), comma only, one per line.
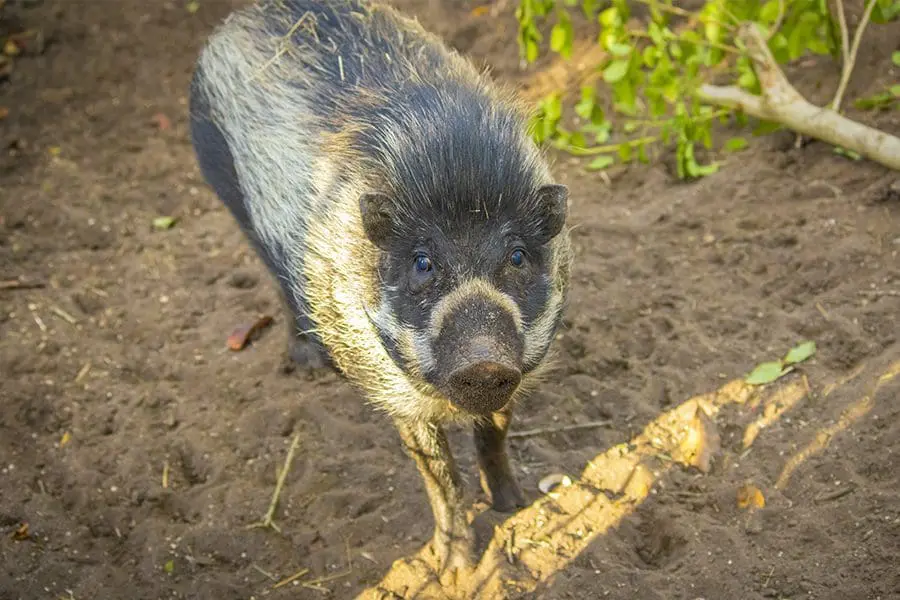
(411,223)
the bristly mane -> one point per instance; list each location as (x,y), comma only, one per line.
(430,125)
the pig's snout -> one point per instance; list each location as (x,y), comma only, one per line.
(484,382)
(478,354)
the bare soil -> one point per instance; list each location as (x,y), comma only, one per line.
(116,369)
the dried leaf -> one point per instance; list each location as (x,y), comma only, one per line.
(700,442)
(749,496)
(21,533)
(54,150)
(10,48)
(66,438)
(480,11)
(162,121)
(4,112)
(243,335)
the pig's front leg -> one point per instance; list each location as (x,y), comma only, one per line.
(497,478)
(453,540)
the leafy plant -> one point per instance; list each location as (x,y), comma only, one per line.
(657,71)
(768,372)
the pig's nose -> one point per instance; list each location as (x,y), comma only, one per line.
(487,380)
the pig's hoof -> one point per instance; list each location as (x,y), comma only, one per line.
(505,494)
(508,499)
(456,556)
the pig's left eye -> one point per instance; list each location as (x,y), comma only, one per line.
(517,258)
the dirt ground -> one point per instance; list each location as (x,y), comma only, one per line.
(117,367)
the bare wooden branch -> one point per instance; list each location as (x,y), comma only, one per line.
(781,102)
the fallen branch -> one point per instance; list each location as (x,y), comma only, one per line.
(782,103)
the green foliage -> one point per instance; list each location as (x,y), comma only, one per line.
(768,372)
(653,69)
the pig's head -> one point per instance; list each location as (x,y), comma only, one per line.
(469,302)
(471,240)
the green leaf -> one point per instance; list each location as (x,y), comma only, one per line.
(578,140)
(642,154)
(625,152)
(852,155)
(531,50)
(895,58)
(619,49)
(769,12)
(799,353)
(610,17)
(879,101)
(169,566)
(601,162)
(735,144)
(656,34)
(765,127)
(766,372)
(558,38)
(705,170)
(779,46)
(162,223)
(616,70)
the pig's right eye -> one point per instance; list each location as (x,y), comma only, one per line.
(423,264)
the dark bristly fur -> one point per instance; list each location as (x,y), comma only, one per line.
(413,226)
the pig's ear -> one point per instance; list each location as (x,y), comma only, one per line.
(552,210)
(377,212)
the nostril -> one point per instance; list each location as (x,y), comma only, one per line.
(486,376)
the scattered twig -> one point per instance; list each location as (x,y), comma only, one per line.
(268,519)
(879,293)
(63,315)
(287,580)
(849,59)
(834,495)
(315,583)
(781,102)
(37,318)
(545,430)
(82,373)
(264,572)
(18,284)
